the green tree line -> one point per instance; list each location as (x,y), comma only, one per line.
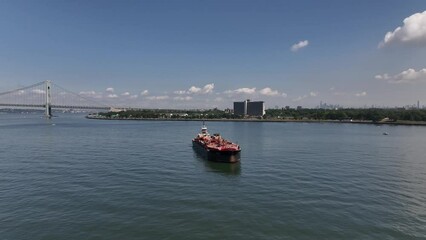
(371,114)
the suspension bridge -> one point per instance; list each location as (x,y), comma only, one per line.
(49,96)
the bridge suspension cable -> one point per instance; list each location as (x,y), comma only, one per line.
(30,96)
(22,89)
(61,98)
(48,95)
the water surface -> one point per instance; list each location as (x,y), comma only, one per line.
(74,178)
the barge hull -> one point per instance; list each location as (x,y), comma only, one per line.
(217,156)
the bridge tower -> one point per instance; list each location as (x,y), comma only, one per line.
(48,85)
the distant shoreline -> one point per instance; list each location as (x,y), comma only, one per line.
(406,123)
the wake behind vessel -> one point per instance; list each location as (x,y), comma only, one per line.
(215,148)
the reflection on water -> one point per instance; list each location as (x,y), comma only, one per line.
(224,168)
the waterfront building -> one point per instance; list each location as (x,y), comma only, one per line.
(256,108)
(240,108)
(249,108)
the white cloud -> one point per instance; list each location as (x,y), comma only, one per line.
(133,96)
(89,93)
(382,77)
(186,98)
(361,94)
(112,95)
(144,92)
(408,76)
(269,92)
(296,47)
(38,91)
(92,94)
(164,97)
(208,88)
(110,89)
(242,91)
(194,89)
(412,31)
(311,94)
(20,92)
(125,94)
(179,92)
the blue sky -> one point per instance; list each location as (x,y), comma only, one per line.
(193,54)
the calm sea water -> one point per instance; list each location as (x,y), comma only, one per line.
(74,178)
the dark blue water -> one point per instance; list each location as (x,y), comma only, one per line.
(73,178)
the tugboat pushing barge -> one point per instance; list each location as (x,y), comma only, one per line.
(215,148)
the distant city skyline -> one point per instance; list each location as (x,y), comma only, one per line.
(206,54)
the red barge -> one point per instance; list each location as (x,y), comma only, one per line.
(215,148)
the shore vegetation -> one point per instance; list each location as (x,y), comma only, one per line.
(374,115)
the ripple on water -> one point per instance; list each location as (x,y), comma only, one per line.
(83,179)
